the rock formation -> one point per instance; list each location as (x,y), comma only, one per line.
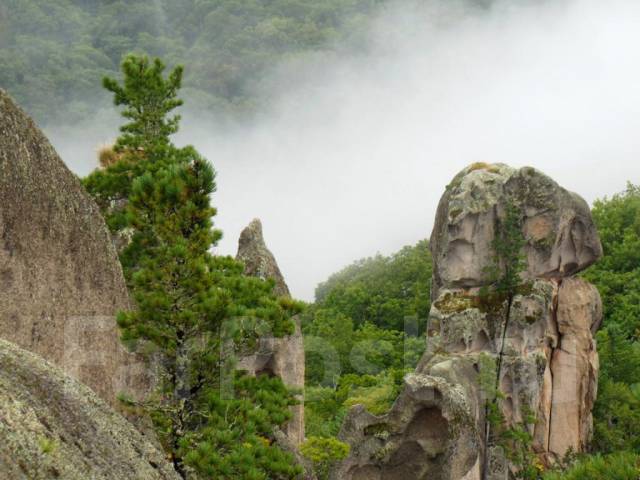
(60,280)
(54,427)
(280,357)
(536,346)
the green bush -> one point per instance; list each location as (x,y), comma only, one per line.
(323,453)
(618,466)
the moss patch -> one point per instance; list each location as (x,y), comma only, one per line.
(454,213)
(454,302)
(483,166)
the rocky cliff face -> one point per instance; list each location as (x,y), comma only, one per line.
(537,347)
(60,280)
(281,357)
(54,427)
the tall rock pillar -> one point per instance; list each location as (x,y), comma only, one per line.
(280,357)
(534,346)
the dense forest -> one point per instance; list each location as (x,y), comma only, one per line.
(54,53)
(367,321)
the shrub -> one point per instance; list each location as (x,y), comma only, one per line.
(323,453)
(617,466)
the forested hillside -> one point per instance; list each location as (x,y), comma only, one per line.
(54,53)
(617,276)
(364,333)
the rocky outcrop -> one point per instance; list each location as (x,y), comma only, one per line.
(557,225)
(54,427)
(60,280)
(258,259)
(280,357)
(531,353)
(429,434)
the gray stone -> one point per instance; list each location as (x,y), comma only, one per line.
(428,434)
(61,283)
(54,427)
(258,259)
(560,234)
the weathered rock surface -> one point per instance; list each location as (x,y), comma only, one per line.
(574,366)
(429,434)
(560,234)
(280,357)
(60,280)
(258,259)
(54,427)
(536,346)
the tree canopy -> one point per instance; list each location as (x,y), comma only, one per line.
(53,53)
(617,276)
(363,334)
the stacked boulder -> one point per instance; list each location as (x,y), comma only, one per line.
(532,355)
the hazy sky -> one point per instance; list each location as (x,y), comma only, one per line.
(358,149)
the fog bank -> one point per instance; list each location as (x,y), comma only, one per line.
(358,147)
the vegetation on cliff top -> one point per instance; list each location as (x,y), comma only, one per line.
(356,304)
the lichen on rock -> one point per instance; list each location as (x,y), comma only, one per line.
(54,427)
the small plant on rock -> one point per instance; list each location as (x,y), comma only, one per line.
(324,453)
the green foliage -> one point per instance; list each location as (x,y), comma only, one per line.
(509,261)
(376,394)
(616,418)
(619,466)
(515,440)
(48,446)
(363,334)
(382,290)
(324,411)
(235,437)
(617,276)
(53,53)
(194,310)
(148,98)
(323,452)
(487,375)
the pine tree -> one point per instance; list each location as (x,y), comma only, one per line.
(148,98)
(191,305)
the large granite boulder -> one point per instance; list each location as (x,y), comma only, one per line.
(54,427)
(280,357)
(531,353)
(560,234)
(60,279)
